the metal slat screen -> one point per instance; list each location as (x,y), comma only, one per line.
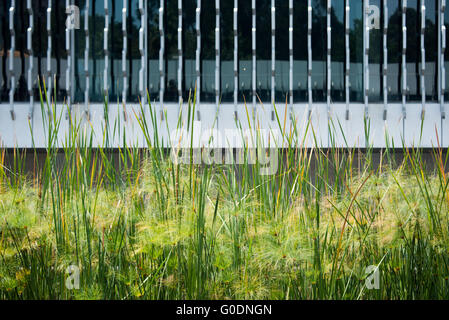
(333,51)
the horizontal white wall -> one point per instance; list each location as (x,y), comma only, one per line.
(325,129)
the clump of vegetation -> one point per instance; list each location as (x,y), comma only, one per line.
(148,228)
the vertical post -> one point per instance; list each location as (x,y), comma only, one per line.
(365,55)
(385,56)
(125,52)
(49,47)
(273,50)
(86,57)
(442,49)
(144,22)
(198,51)
(11,59)
(404,51)
(142,39)
(72,64)
(347,56)
(106,50)
(236,58)
(31,58)
(161,57)
(180,51)
(309,54)
(329,48)
(423,59)
(253,46)
(290,52)
(68,71)
(217,53)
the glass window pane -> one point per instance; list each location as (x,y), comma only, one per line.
(394,49)
(338,52)
(431,46)
(171,50)
(282,65)
(300,93)
(227,51)
(319,50)
(5,45)
(189,48)
(446,56)
(154,44)
(96,55)
(115,46)
(413,52)
(21,61)
(263,49)
(207,51)
(356,51)
(134,62)
(59,54)
(375,58)
(245,55)
(78,59)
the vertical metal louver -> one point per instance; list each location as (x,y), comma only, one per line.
(236,62)
(161,57)
(30,52)
(86,57)
(347,56)
(106,49)
(442,48)
(124,50)
(309,52)
(217,52)
(11,60)
(198,50)
(290,53)
(385,58)
(180,66)
(404,62)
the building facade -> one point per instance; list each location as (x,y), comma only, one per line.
(348,65)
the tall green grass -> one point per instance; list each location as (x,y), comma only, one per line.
(144,227)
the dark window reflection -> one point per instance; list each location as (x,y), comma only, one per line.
(263,49)
(319,50)
(59,61)
(338,52)
(189,42)
(227,51)
(394,49)
(375,58)
(154,44)
(115,44)
(207,51)
(300,55)
(282,66)
(96,55)
(431,46)
(171,50)
(21,61)
(5,45)
(78,59)
(245,51)
(446,56)
(413,52)
(356,51)
(134,63)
